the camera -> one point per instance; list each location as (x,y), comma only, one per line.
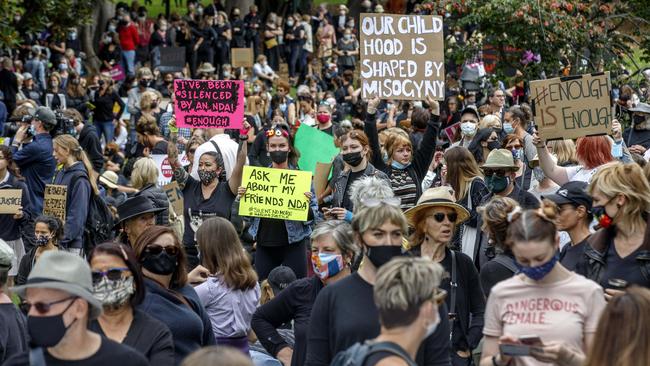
(13,124)
(64,125)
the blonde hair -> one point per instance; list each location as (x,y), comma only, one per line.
(395,141)
(565,151)
(462,169)
(369,218)
(71,145)
(145,171)
(146,99)
(251,105)
(490,120)
(628,180)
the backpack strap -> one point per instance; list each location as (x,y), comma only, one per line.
(453,286)
(36,357)
(389,347)
(507,262)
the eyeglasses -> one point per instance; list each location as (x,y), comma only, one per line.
(440,216)
(156,249)
(112,274)
(490,172)
(374,202)
(439,296)
(44,307)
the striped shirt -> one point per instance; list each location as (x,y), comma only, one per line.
(403,187)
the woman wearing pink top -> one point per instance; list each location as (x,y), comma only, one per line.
(545,305)
(326,39)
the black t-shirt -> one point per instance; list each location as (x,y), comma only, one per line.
(13,332)
(493,272)
(110,353)
(160,148)
(197,209)
(272,233)
(329,130)
(347,204)
(571,255)
(627,268)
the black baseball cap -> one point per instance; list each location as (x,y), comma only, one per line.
(280,277)
(471,110)
(574,193)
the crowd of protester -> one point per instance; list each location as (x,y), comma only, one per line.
(446,231)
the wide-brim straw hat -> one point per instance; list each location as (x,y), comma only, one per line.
(206,68)
(500,159)
(437,197)
(109,178)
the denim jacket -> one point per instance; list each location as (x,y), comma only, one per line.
(341,183)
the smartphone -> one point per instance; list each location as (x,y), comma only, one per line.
(531,340)
(515,349)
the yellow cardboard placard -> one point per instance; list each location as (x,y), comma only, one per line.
(275,193)
(54,203)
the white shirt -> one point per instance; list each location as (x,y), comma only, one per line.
(259,69)
(228,149)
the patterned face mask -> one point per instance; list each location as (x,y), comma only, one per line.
(327,265)
(114,293)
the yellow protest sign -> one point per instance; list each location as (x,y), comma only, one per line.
(54,202)
(275,193)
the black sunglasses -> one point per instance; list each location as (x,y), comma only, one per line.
(440,216)
(156,249)
(44,307)
(112,274)
(191,151)
(490,172)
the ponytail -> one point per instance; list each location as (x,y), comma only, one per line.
(76,151)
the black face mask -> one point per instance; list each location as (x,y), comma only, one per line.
(353,159)
(636,119)
(145,83)
(493,145)
(279,157)
(161,264)
(382,254)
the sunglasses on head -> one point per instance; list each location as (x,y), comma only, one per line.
(374,202)
(440,216)
(112,274)
(439,296)
(490,172)
(44,307)
(155,249)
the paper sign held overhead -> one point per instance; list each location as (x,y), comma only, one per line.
(175,196)
(54,202)
(275,193)
(402,56)
(209,103)
(572,107)
(242,57)
(10,201)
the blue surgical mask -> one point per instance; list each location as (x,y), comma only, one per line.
(539,272)
(507,128)
(399,166)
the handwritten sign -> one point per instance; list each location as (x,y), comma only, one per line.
(175,196)
(54,202)
(172,59)
(572,107)
(275,193)
(402,56)
(242,57)
(209,103)
(10,201)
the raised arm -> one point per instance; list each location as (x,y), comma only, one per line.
(238,170)
(557,173)
(370,128)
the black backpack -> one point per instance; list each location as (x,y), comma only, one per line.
(99,222)
(359,353)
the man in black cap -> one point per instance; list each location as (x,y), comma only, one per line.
(637,136)
(135,216)
(35,159)
(574,217)
(469,119)
(279,278)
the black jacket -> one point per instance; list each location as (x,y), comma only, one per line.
(89,141)
(10,228)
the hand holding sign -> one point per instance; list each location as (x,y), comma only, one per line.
(19,215)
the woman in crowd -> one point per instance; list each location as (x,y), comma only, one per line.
(78,174)
(564,151)
(347,49)
(617,253)
(103,101)
(231,293)
(465,178)
(513,143)
(145,179)
(567,326)
(282,242)
(515,121)
(485,140)
(450,113)
(356,153)
(169,298)
(271,47)
(77,93)
(222,45)
(404,168)
(622,335)
(191,39)
(294,37)
(190,148)
(11,225)
(501,263)
(110,53)
(344,313)
(48,232)
(149,135)
(118,284)
(434,220)
(210,196)
(54,97)
(207,37)
(326,40)
(332,252)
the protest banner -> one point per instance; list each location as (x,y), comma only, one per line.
(572,107)
(172,59)
(209,103)
(10,201)
(315,146)
(55,201)
(321,175)
(402,57)
(175,196)
(451,131)
(275,193)
(165,171)
(117,73)
(242,57)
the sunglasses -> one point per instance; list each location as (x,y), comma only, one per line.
(112,274)
(439,296)
(490,172)
(156,249)
(44,307)
(191,151)
(440,216)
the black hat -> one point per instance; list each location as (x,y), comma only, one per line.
(136,206)
(471,110)
(574,193)
(280,277)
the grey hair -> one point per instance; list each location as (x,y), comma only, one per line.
(369,188)
(341,232)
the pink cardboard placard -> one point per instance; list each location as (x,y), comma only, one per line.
(209,103)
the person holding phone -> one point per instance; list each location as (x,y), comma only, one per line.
(562,308)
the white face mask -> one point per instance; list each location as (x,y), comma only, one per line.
(431,328)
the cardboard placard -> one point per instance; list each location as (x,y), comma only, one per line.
(315,146)
(54,203)
(175,196)
(572,107)
(172,59)
(10,201)
(242,57)
(275,193)
(320,177)
(209,103)
(402,57)
(451,131)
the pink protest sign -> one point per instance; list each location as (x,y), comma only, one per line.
(209,103)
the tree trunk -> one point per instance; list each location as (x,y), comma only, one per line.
(91,34)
